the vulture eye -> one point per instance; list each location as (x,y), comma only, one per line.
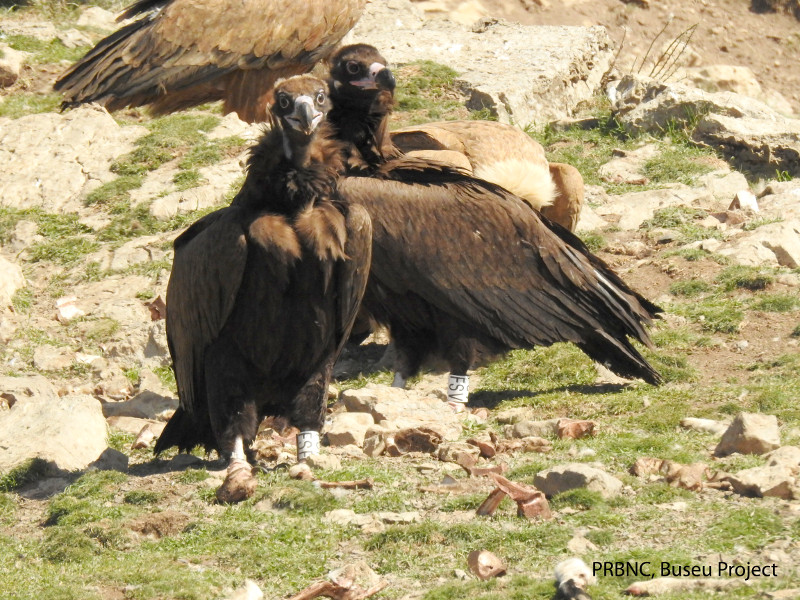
(283,101)
(352,67)
(320,99)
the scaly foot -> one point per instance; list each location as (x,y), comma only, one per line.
(239,484)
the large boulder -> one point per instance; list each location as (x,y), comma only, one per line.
(48,159)
(69,432)
(747,131)
(750,433)
(520,73)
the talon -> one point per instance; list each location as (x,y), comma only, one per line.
(239,484)
(457,407)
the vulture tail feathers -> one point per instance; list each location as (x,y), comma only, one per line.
(139,7)
(185,432)
(621,357)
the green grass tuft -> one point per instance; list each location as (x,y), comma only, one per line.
(31,470)
(776,303)
(745,277)
(693,287)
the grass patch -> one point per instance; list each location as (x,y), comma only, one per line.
(715,313)
(690,288)
(22,300)
(751,527)
(594,241)
(743,277)
(28,472)
(681,219)
(140,497)
(776,303)
(23,104)
(677,163)
(114,191)
(52,51)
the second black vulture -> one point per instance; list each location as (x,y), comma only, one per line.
(263,293)
(460,264)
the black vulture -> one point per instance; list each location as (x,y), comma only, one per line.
(181,53)
(263,293)
(460,264)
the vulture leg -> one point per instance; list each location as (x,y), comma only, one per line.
(309,409)
(412,348)
(234,417)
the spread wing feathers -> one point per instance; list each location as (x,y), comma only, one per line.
(499,153)
(485,258)
(194,42)
(353,271)
(201,294)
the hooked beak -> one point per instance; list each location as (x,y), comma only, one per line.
(305,117)
(379,78)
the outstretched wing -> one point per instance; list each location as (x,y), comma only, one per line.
(193,43)
(207,270)
(479,254)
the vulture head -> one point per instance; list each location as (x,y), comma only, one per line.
(359,74)
(300,105)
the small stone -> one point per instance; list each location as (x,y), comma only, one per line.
(744,200)
(523,429)
(301,471)
(134,425)
(785,456)
(764,481)
(349,428)
(750,433)
(375,444)
(324,461)
(456,452)
(111,460)
(50,358)
(577,475)
(485,565)
(580,545)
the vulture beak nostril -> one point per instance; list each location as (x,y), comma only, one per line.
(305,117)
(385,80)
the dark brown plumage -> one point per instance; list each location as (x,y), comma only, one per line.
(263,293)
(460,264)
(181,53)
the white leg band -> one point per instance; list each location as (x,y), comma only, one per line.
(307,444)
(458,388)
(238,449)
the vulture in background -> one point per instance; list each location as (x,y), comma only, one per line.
(504,155)
(263,293)
(181,53)
(460,264)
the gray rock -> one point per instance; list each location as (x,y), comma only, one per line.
(324,461)
(11,62)
(629,211)
(218,178)
(52,358)
(73,38)
(99,18)
(745,130)
(134,425)
(577,475)
(77,146)
(627,166)
(403,409)
(69,433)
(722,186)
(349,428)
(750,433)
(21,389)
(510,416)
(764,481)
(776,244)
(785,456)
(499,68)
(453,451)
(523,429)
(11,280)
(145,405)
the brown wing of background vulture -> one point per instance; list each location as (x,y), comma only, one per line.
(181,53)
(263,293)
(504,155)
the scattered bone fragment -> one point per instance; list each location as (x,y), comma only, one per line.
(531,503)
(145,438)
(689,477)
(355,581)
(417,439)
(485,471)
(704,425)
(239,484)
(359,484)
(67,309)
(249,591)
(674,585)
(573,576)
(485,565)
(158,309)
(487,447)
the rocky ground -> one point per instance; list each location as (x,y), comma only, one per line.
(690,197)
